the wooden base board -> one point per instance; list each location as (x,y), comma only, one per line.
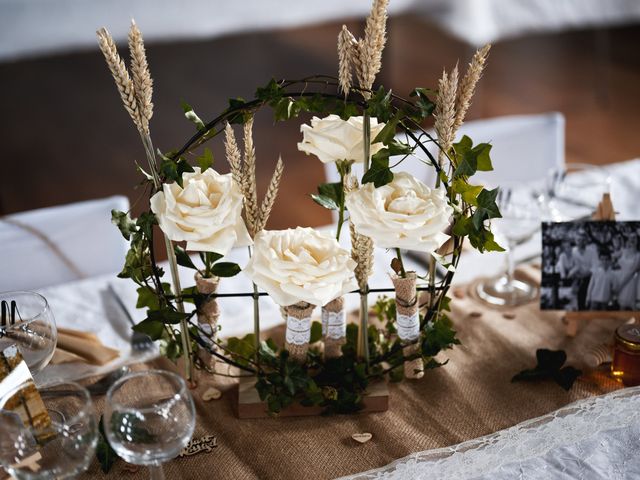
(248,403)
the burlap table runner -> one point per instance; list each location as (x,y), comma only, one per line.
(471,396)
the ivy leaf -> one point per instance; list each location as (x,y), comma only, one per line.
(424,104)
(484,241)
(153,328)
(172,170)
(324,201)
(192,117)
(125,224)
(316,332)
(166,315)
(206,159)
(272,92)
(379,173)
(379,105)
(470,158)
(147,298)
(469,192)
(225,269)
(107,456)
(487,207)
(330,195)
(286,108)
(241,115)
(388,132)
(183,258)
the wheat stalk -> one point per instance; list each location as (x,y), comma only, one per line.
(270,196)
(361,246)
(445,112)
(233,154)
(468,84)
(372,45)
(347,53)
(121,77)
(142,82)
(249,177)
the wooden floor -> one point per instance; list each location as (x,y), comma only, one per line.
(65,136)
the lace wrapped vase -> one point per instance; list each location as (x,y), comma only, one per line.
(334,327)
(298,331)
(408,322)
(208,314)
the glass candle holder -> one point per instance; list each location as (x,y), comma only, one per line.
(625,366)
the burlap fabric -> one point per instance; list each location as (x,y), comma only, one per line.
(299,311)
(469,397)
(208,313)
(407,305)
(333,346)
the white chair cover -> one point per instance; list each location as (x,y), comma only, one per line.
(58,244)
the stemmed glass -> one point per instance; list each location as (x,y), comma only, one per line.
(574,191)
(149,418)
(520,220)
(36,449)
(29,324)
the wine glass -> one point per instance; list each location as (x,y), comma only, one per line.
(520,221)
(574,191)
(29,324)
(32,448)
(149,418)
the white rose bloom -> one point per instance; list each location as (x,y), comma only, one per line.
(206,212)
(332,139)
(405,213)
(300,265)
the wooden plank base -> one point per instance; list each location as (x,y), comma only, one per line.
(248,403)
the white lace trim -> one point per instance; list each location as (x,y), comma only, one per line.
(298,330)
(408,326)
(530,439)
(334,324)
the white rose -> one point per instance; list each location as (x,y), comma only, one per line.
(206,212)
(402,214)
(332,139)
(300,265)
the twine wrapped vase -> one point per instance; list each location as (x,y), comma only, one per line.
(408,322)
(208,314)
(298,331)
(334,327)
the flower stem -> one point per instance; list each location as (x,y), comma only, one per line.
(256,318)
(341,206)
(366,124)
(363,331)
(173,264)
(403,274)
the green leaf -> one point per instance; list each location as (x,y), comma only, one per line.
(487,207)
(316,332)
(286,108)
(147,298)
(483,241)
(471,159)
(125,224)
(172,170)
(379,105)
(423,103)
(388,132)
(324,201)
(469,192)
(183,258)
(330,195)
(240,115)
(270,92)
(166,315)
(225,269)
(206,159)
(192,117)
(379,173)
(153,328)
(107,456)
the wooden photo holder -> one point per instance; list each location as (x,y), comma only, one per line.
(249,405)
(572,320)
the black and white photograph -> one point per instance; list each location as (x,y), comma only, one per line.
(590,266)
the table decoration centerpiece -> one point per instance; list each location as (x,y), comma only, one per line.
(206,214)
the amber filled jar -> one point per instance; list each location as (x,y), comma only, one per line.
(625,366)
